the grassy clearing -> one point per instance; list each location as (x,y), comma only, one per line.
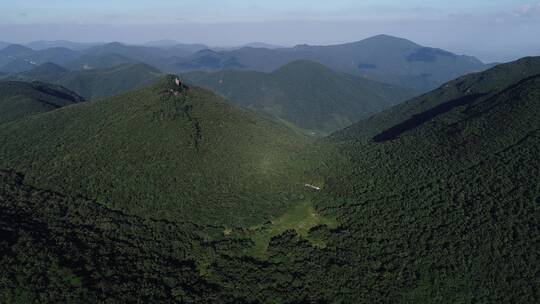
(301,217)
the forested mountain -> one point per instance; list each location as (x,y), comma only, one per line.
(262,45)
(22,99)
(443,192)
(47,44)
(168,194)
(94,83)
(161,58)
(173,44)
(304,94)
(90,62)
(17,58)
(383,58)
(454,93)
(197,157)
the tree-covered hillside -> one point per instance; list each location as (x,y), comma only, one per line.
(17,58)
(99,61)
(304,94)
(166,151)
(440,202)
(62,249)
(457,91)
(94,83)
(22,99)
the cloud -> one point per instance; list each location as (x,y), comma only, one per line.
(528,10)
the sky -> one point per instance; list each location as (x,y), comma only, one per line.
(493,30)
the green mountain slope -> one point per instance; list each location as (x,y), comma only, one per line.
(17,58)
(139,53)
(435,203)
(305,94)
(441,193)
(100,61)
(18,65)
(21,99)
(164,151)
(383,58)
(94,83)
(481,84)
(161,58)
(43,235)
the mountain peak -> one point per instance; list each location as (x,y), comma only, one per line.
(171,83)
(15,49)
(49,67)
(183,135)
(384,39)
(206,52)
(385,36)
(115,44)
(32,98)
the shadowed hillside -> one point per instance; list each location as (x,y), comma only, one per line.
(21,99)
(486,84)
(441,192)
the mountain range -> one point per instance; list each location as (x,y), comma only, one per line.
(94,83)
(18,58)
(171,193)
(46,44)
(442,193)
(381,58)
(304,94)
(384,58)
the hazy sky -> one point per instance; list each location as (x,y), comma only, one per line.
(489,29)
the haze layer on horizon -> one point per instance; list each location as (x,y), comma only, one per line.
(493,30)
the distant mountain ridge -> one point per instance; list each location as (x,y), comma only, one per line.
(304,94)
(474,86)
(47,44)
(384,58)
(17,58)
(258,44)
(94,83)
